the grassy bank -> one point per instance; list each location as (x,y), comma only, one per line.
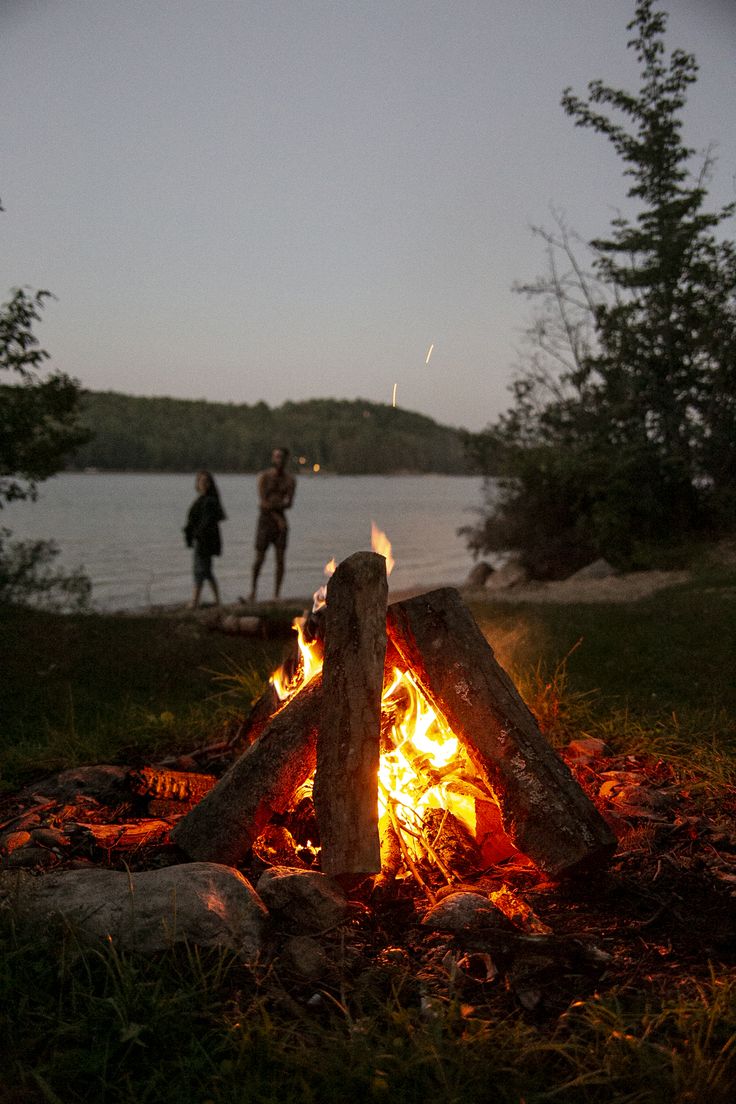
(655,676)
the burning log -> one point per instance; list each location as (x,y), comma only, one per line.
(544,811)
(348,744)
(119,837)
(226,822)
(169,785)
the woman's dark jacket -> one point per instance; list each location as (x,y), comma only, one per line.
(202,526)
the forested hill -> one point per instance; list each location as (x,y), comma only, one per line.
(132,433)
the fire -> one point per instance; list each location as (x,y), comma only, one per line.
(422,765)
(287,682)
(382,545)
(319,598)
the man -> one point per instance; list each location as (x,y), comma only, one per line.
(276,489)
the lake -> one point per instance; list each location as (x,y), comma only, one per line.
(125,530)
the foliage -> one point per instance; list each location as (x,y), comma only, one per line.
(165,434)
(40,424)
(27,577)
(630,443)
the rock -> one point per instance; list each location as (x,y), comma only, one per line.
(479,575)
(106,783)
(510,575)
(303,956)
(50,837)
(586,748)
(11,841)
(463,912)
(599,569)
(29,856)
(306,899)
(201,903)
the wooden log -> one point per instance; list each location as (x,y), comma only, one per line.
(348,744)
(544,811)
(127,836)
(227,821)
(169,785)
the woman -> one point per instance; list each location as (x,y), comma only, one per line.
(202,532)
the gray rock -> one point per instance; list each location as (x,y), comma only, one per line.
(479,575)
(510,575)
(463,912)
(303,956)
(306,899)
(102,782)
(203,903)
(599,569)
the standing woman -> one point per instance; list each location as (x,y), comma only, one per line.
(202,532)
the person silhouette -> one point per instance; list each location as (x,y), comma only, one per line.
(276,489)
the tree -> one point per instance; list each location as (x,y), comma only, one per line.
(632,444)
(39,426)
(40,414)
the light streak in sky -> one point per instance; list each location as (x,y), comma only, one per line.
(393,396)
(429,353)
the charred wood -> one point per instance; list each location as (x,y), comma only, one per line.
(227,821)
(544,811)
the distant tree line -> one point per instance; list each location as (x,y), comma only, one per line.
(132,433)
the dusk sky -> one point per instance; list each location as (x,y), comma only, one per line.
(244,200)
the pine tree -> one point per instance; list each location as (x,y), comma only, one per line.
(635,444)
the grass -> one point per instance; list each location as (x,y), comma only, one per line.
(96,1025)
(84,1024)
(93,688)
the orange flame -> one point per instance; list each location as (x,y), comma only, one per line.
(286,683)
(422,764)
(382,545)
(319,598)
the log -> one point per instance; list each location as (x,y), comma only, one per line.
(348,744)
(226,822)
(119,837)
(544,811)
(169,785)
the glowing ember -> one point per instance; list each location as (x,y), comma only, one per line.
(393,395)
(382,545)
(429,353)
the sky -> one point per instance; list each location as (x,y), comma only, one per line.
(278,200)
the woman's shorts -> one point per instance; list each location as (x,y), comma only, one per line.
(202,567)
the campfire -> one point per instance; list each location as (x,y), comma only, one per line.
(412,744)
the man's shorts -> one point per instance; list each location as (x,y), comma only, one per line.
(270,532)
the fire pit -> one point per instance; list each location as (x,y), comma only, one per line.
(408,730)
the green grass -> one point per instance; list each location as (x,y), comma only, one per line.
(94,688)
(187,1026)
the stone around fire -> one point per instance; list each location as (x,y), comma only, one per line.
(202,903)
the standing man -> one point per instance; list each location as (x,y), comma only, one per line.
(276,489)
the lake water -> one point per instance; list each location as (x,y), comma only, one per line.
(126,531)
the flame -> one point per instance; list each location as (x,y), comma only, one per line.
(418,768)
(422,764)
(287,683)
(381,544)
(319,598)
